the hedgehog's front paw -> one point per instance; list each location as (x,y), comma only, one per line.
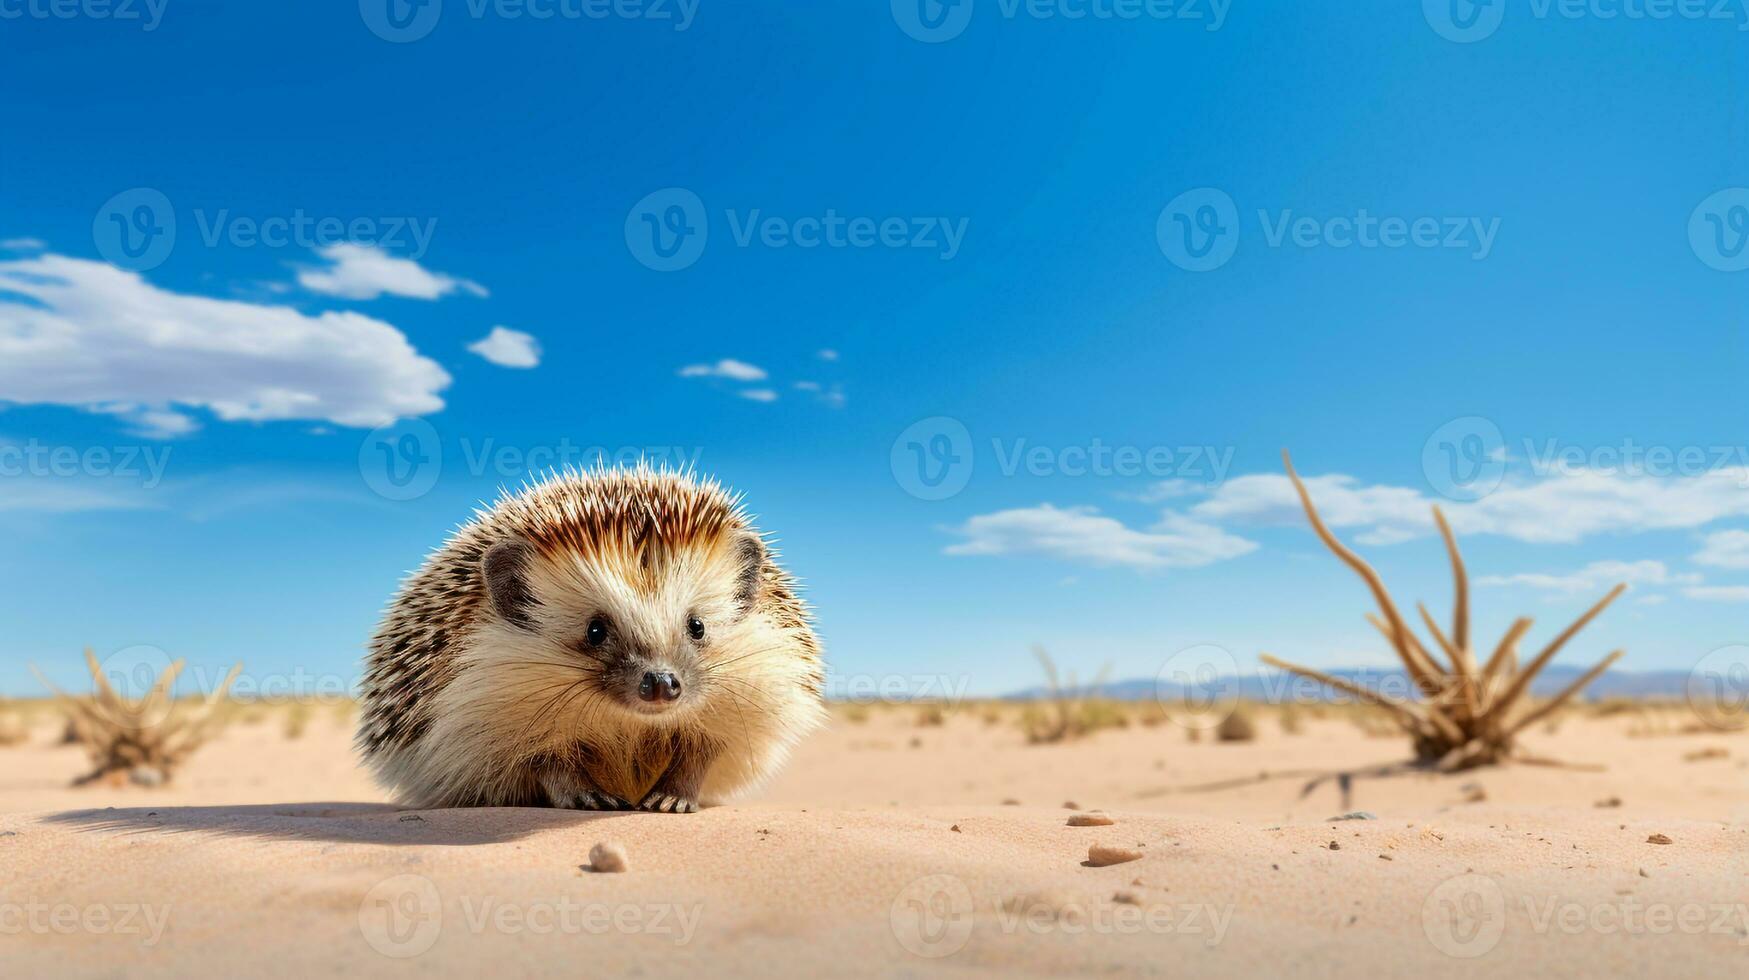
(566,793)
(660,802)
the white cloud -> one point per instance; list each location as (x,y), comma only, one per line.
(759,395)
(508,348)
(90,335)
(1719,593)
(728,368)
(1595,577)
(23,244)
(1083,535)
(833,396)
(1565,508)
(828,355)
(1724,549)
(366,272)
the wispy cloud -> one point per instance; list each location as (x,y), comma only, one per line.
(1597,576)
(833,396)
(508,348)
(1564,508)
(1718,593)
(85,334)
(1085,536)
(367,272)
(727,368)
(1724,549)
(23,244)
(759,395)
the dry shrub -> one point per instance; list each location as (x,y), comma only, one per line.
(931,716)
(1237,727)
(1069,712)
(856,714)
(145,740)
(297,721)
(1467,713)
(1291,721)
(13,730)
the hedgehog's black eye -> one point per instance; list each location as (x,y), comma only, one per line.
(695,627)
(597,634)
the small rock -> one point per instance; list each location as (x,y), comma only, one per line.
(1356,815)
(1102,856)
(956,829)
(412,818)
(1386,857)
(1090,820)
(1608,803)
(1071,805)
(145,776)
(1335,846)
(1011,801)
(607,858)
(1126,898)
(1474,792)
(1643,873)
(1659,839)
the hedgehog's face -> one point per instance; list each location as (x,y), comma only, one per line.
(655,632)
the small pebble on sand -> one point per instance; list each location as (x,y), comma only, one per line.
(1355,815)
(1101,855)
(1127,898)
(607,858)
(1071,805)
(1090,820)
(1659,839)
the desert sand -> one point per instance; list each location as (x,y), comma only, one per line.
(890,848)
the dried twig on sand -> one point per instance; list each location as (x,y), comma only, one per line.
(1069,712)
(142,740)
(1465,715)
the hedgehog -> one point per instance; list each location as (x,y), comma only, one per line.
(619,639)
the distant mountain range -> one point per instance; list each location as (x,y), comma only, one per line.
(1272,687)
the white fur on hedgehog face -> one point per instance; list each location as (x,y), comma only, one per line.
(741,666)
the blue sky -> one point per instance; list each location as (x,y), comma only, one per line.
(1516,245)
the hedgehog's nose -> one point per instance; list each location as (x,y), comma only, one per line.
(663,686)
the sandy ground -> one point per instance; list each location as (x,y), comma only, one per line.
(890,849)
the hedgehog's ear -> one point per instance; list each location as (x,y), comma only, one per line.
(750,556)
(505,570)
